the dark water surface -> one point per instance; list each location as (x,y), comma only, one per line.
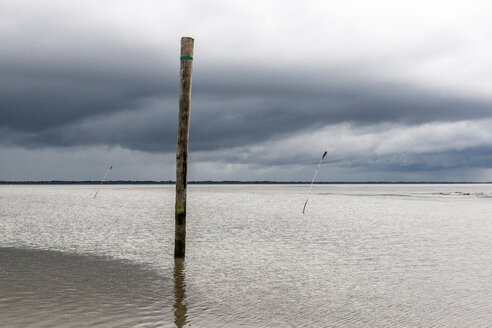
(48,288)
(362,256)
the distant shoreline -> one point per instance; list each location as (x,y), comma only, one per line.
(133,182)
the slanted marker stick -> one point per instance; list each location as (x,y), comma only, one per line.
(312,181)
(103,180)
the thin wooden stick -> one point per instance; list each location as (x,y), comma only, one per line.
(103,180)
(312,181)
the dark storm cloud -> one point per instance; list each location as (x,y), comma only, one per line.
(233,107)
(38,96)
(478,157)
(240,113)
(270,86)
(79,83)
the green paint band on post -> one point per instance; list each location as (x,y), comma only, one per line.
(186,57)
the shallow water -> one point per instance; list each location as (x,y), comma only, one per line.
(362,255)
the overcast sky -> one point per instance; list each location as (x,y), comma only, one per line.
(393,90)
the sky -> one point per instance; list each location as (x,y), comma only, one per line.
(392,90)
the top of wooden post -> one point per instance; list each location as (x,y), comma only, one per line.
(187,46)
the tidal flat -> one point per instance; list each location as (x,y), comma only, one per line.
(380,255)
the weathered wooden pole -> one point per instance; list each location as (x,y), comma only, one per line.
(180,306)
(186,66)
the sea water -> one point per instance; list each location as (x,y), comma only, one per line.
(372,255)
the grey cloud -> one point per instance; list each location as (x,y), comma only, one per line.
(226,112)
(385,148)
(470,158)
(145,128)
(85,82)
(99,76)
(38,99)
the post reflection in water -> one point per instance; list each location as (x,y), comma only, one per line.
(180,308)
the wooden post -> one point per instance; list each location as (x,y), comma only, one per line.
(186,60)
(180,306)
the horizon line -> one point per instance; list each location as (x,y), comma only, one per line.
(171,182)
